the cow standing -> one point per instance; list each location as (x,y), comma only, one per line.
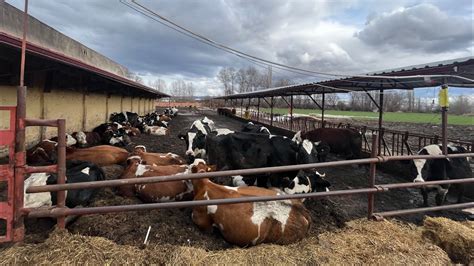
(344,141)
(246,150)
(422,170)
(195,138)
(252,223)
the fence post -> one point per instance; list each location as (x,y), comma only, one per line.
(61,195)
(372,172)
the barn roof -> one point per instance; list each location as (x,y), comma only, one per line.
(456,72)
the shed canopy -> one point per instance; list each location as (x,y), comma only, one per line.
(457,72)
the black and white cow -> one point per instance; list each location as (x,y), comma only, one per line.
(195,138)
(238,150)
(112,134)
(171,111)
(121,118)
(252,128)
(422,170)
(77,171)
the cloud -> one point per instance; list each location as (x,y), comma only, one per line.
(320,35)
(423,27)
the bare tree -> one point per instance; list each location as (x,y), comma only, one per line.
(159,85)
(461,105)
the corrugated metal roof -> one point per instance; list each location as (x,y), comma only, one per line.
(406,78)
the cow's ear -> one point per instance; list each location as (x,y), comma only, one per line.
(297,138)
(211,168)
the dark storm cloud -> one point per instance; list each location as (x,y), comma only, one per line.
(419,28)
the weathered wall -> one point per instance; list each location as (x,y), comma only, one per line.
(82,111)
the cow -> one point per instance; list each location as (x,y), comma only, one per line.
(421,170)
(195,138)
(155,130)
(240,150)
(343,141)
(43,153)
(70,140)
(76,172)
(101,155)
(251,223)
(157,158)
(252,128)
(307,182)
(87,139)
(155,192)
(118,117)
(172,111)
(130,117)
(112,134)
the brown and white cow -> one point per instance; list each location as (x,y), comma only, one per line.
(101,155)
(87,139)
(155,130)
(247,224)
(155,192)
(157,158)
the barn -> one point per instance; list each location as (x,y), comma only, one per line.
(65,78)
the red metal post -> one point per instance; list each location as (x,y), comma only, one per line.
(372,172)
(61,196)
(444,124)
(380,137)
(20,153)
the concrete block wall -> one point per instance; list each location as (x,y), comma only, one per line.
(82,111)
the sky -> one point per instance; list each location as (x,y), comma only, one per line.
(335,36)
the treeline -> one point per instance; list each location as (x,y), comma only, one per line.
(251,79)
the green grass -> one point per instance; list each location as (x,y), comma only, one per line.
(431,118)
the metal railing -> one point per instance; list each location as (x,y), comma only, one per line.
(393,142)
(61,211)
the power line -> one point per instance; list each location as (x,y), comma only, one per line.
(259,61)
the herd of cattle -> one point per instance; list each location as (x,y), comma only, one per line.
(209,148)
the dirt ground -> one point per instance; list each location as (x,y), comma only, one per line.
(175,227)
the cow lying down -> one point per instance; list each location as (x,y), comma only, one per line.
(77,171)
(247,224)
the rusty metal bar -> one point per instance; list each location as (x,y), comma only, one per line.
(41,169)
(381,215)
(41,122)
(275,169)
(18,231)
(271,111)
(372,173)
(314,101)
(61,195)
(35,213)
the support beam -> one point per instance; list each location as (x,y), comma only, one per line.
(379,146)
(314,101)
(372,98)
(258,109)
(271,111)
(291,113)
(444,117)
(322,111)
(287,103)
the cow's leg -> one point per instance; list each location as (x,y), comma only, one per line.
(441,195)
(262,181)
(202,219)
(424,193)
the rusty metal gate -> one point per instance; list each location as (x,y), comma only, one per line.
(7,172)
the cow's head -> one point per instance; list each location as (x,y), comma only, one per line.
(306,182)
(81,138)
(139,148)
(70,140)
(195,144)
(200,166)
(421,170)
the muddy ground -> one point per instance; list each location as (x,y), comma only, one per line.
(175,227)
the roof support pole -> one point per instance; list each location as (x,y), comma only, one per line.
(20,153)
(379,146)
(322,111)
(258,109)
(271,111)
(241,105)
(443,101)
(372,99)
(291,113)
(287,103)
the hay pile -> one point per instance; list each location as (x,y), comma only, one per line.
(457,239)
(361,241)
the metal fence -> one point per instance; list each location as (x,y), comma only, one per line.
(393,142)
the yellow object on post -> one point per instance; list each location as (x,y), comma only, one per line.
(443,96)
